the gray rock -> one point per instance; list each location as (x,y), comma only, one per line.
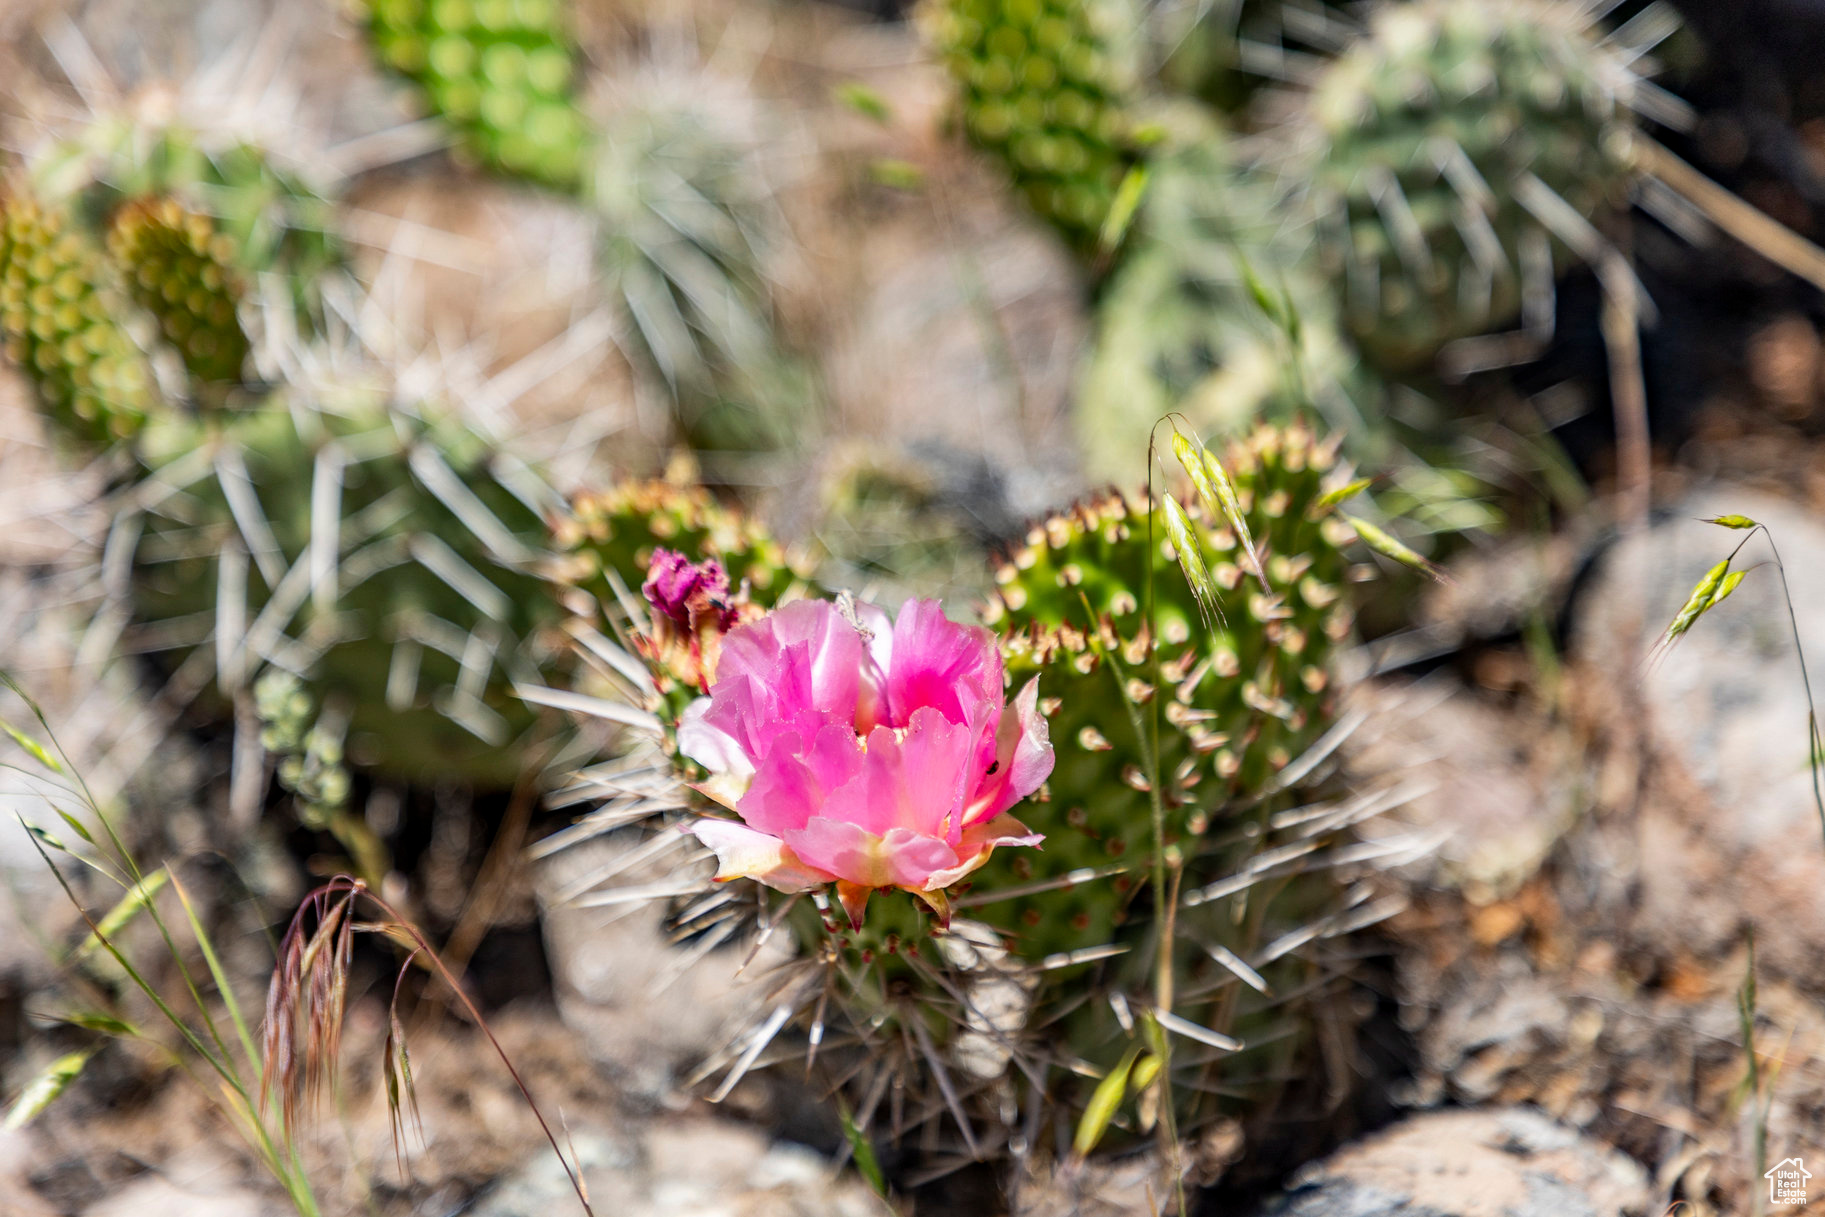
(649,1009)
(1484,786)
(1707,743)
(1508,1163)
(716,1168)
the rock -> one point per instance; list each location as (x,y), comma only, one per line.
(1504,1163)
(1486,783)
(1129,1186)
(697,1167)
(650,1010)
(1708,741)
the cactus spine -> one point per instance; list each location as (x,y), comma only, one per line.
(386,559)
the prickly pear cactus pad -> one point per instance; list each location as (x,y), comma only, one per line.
(501,72)
(1045,87)
(1436,149)
(181,271)
(1234,700)
(386,558)
(60,314)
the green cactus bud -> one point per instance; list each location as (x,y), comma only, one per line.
(1042,87)
(270,223)
(59,313)
(619,529)
(502,72)
(183,272)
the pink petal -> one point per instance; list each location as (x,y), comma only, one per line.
(877,662)
(914,779)
(709,745)
(806,655)
(1023,758)
(900,858)
(716,750)
(742,853)
(979,841)
(793,782)
(953,668)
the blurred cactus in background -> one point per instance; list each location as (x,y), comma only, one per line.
(893,524)
(61,310)
(502,73)
(181,271)
(1183,323)
(269,227)
(1439,151)
(384,557)
(687,226)
(1045,85)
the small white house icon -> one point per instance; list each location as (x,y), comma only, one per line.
(1787,1182)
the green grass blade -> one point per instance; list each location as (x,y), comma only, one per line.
(43,1090)
(220,975)
(138,897)
(1105,1100)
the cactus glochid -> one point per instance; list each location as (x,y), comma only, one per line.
(1430,147)
(60,316)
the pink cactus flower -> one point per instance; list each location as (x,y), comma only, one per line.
(863,753)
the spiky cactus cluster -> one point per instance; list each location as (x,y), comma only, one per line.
(60,313)
(502,72)
(385,558)
(688,226)
(181,271)
(1053,949)
(1045,87)
(1233,700)
(1436,145)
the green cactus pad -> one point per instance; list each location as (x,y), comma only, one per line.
(1423,143)
(501,72)
(1235,699)
(182,271)
(415,621)
(59,313)
(1045,88)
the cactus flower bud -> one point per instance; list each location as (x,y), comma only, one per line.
(692,610)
